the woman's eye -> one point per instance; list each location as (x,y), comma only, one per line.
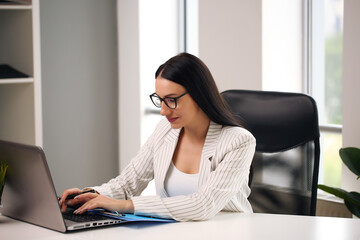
(170,100)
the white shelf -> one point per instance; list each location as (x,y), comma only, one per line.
(16,80)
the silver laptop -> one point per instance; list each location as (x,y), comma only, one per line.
(29,194)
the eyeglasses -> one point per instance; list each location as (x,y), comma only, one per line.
(171,102)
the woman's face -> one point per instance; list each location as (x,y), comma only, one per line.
(186,112)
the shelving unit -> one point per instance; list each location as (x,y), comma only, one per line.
(20,98)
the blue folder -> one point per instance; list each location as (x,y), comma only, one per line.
(131,217)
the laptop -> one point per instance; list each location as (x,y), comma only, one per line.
(29,194)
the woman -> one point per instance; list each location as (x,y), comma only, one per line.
(199,156)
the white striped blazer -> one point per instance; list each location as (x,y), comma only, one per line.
(223,175)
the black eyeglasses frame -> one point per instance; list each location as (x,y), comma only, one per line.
(163,100)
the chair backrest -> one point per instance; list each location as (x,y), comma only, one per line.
(286,163)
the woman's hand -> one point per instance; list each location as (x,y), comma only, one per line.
(72,202)
(92,200)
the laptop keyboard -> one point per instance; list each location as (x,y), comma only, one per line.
(86,217)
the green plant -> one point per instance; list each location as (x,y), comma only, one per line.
(351,158)
(3,168)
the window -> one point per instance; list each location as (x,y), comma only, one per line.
(161,37)
(282,45)
(159,40)
(302,52)
(326,82)
(167,27)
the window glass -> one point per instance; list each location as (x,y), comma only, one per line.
(327,38)
(282,46)
(331,164)
(159,41)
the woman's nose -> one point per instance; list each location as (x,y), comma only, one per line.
(164,109)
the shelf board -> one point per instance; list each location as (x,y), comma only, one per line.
(9,6)
(16,80)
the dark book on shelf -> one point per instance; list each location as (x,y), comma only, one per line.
(27,2)
(7,71)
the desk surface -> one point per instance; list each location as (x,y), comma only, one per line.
(223,226)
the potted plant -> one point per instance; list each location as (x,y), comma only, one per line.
(351,157)
(3,168)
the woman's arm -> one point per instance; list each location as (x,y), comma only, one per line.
(140,171)
(116,193)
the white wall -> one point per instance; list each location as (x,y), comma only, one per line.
(351,86)
(230,42)
(129,80)
(79,89)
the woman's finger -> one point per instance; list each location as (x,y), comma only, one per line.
(89,205)
(86,196)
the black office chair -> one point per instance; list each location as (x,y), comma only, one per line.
(286,162)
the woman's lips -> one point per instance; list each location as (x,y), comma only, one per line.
(171,120)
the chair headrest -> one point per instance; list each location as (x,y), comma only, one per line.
(279,121)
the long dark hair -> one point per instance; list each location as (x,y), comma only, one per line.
(190,72)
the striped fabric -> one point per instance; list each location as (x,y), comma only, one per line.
(223,175)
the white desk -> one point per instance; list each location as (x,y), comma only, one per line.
(224,226)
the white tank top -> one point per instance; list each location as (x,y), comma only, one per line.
(180,183)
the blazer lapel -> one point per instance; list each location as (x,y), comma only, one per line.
(165,154)
(209,151)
